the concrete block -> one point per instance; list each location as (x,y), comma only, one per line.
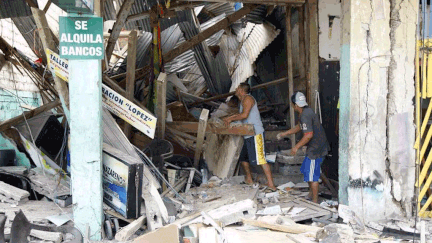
(336,233)
(234,213)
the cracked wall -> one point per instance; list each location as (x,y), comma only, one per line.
(377,90)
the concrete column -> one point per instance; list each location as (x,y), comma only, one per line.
(376,157)
(85,82)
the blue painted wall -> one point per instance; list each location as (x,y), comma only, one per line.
(9,106)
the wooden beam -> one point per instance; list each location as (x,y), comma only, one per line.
(290,69)
(223,24)
(260,86)
(161,105)
(267,2)
(312,6)
(118,25)
(99,7)
(48,42)
(181,134)
(47,5)
(2,61)
(32,4)
(302,44)
(176,6)
(294,229)
(28,114)
(122,75)
(202,125)
(233,129)
(130,76)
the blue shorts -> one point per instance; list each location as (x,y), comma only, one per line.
(311,169)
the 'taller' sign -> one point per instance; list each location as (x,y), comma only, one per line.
(81,38)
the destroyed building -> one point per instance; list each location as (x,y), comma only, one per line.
(130,144)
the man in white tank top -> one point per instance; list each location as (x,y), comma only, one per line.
(253,147)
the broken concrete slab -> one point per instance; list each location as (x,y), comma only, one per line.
(270,210)
(12,192)
(234,213)
(55,237)
(336,233)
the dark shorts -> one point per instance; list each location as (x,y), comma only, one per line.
(253,150)
(311,169)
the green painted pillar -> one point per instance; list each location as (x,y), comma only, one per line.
(85,80)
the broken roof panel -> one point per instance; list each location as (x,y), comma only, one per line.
(14,8)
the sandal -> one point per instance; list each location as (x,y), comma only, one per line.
(270,190)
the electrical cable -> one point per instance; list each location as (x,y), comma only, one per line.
(158,173)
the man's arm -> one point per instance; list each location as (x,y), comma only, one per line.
(247,104)
(293,130)
(305,139)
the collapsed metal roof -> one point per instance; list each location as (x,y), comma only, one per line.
(217,65)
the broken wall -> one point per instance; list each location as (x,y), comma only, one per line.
(329,17)
(376,155)
(16,88)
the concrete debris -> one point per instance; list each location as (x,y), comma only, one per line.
(349,217)
(286,185)
(336,233)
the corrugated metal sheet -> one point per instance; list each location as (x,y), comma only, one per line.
(27,28)
(258,15)
(215,10)
(256,37)
(14,8)
(216,75)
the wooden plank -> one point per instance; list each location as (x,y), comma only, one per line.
(177,6)
(32,4)
(99,8)
(182,134)
(118,25)
(47,5)
(329,185)
(48,42)
(2,61)
(202,126)
(290,69)
(28,114)
(294,229)
(233,129)
(302,44)
(130,229)
(312,6)
(256,87)
(130,76)
(315,206)
(168,233)
(223,24)
(161,105)
(13,192)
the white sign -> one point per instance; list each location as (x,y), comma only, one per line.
(57,65)
(114,102)
(128,111)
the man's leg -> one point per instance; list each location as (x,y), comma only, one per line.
(268,173)
(313,187)
(246,168)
